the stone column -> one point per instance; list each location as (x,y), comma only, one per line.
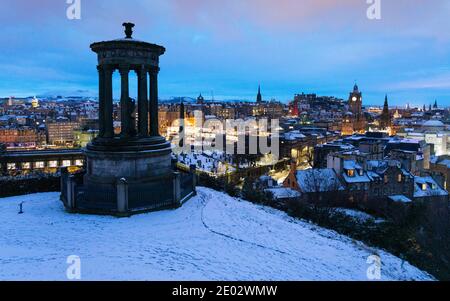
(101,101)
(124,102)
(122,196)
(154,126)
(142,101)
(108,102)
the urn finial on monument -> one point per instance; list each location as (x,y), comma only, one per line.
(128,30)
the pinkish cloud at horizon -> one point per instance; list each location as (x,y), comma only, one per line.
(229,47)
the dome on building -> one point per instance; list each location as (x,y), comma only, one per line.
(35,102)
(433,123)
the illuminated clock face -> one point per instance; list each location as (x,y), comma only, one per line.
(354,98)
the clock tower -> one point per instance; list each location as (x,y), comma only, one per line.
(355,101)
(354,120)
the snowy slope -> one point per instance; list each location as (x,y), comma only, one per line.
(212,237)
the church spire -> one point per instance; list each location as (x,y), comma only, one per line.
(259,96)
(385,120)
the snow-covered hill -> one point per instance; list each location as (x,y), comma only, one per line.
(212,237)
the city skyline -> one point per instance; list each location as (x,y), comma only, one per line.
(404,54)
(237,140)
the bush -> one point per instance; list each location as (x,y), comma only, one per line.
(416,237)
(35,183)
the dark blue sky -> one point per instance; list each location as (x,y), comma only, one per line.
(228,47)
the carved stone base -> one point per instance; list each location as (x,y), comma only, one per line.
(145,172)
(157,144)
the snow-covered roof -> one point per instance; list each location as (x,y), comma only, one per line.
(351,164)
(373,175)
(293,135)
(400,198)
(357,178)
(426,187)
(434,123)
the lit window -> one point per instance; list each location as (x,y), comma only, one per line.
(66,163)
(424,187)
(399,178)
(11,166)
(351,172)
(26,165)
(386,179)
(79,162)
(39,164)
(53,164)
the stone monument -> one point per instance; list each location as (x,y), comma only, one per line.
(131,171)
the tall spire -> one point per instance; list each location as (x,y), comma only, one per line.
(259,96)
(385,119)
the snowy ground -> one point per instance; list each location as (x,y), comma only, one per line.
(212,237)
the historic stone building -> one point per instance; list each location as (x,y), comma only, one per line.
(18,138)
(354,120)
(61,132)
(17,163)
(132,171)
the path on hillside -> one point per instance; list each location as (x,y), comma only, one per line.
(205,203)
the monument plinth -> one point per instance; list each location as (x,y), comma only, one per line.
(138,157)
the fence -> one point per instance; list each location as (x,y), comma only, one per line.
(123,197)
(187,184)
(150,195)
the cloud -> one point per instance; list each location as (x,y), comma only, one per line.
(231,45)
(226,18)
(441,81)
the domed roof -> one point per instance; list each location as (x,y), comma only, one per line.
(434,123)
